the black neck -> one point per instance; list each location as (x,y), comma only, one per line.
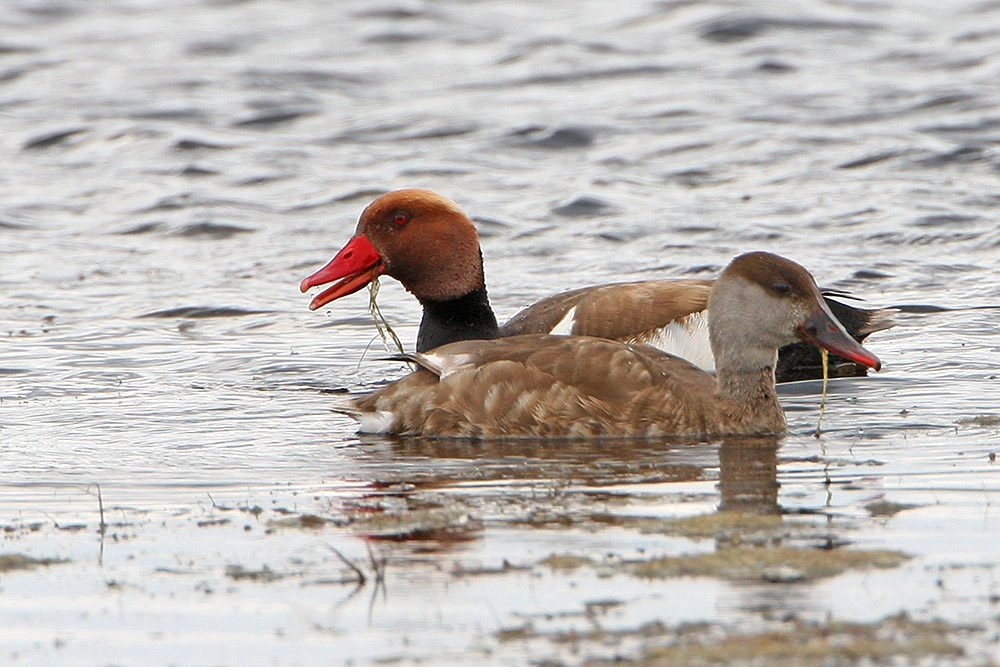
(468,317)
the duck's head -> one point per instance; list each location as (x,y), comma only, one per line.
(418,237)
(763,301)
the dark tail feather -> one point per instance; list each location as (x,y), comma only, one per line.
(861,322)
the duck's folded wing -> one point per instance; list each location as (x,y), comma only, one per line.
(620,311)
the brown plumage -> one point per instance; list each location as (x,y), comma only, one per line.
(555,386)
(629,312)
(549,386)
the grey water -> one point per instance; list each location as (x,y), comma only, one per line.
(172,170)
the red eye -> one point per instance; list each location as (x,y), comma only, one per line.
(401,217)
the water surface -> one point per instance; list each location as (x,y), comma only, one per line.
(174,169)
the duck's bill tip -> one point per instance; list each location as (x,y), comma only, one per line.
(356,265)
(348,285)
(866,359)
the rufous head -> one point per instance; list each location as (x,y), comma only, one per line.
(420,238)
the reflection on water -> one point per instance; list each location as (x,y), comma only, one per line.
(594,461)
(745,468)
(748,475)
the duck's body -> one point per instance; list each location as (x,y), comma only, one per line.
(544,386)
(426,242)
(571,386)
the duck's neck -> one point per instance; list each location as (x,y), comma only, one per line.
(746,383)
(745,356)
(468,317)
(746,390)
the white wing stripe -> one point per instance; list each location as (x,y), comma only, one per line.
(565,326)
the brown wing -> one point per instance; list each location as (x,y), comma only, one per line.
(542,316)
(621,311)
(544,386)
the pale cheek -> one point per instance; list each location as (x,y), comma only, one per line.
(796,316)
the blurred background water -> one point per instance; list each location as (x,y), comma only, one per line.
(172,170)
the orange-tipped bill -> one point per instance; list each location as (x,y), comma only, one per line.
(356,265)
(823,329)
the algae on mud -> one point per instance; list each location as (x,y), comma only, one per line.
(797,642)
(757,562)
(9,562)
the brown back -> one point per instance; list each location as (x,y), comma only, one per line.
(620,311)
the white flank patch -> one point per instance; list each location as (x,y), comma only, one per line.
(565,326)
(687,338)
(380,421)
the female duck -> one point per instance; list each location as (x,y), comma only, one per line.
(568,386)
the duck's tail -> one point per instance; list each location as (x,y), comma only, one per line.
(859,322)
